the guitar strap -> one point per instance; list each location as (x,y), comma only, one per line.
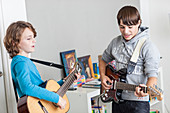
(15,91)
(135,55)
(48,63)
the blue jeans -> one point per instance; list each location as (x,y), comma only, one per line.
(131,107)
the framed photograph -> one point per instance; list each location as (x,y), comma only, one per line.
(87,66)
(68,59)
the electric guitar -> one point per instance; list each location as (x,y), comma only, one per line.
(114,94)
(28,104)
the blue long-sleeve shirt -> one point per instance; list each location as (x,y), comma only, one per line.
(27,78)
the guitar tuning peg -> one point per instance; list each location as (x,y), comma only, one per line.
(149,87)
(155,91)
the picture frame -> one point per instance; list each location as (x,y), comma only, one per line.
(68,59)
(87,66)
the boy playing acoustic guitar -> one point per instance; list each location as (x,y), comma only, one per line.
(19,42)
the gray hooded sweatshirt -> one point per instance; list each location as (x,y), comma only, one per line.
(147,65)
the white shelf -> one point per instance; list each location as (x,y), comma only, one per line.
(80,99)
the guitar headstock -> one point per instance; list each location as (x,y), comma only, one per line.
(154,91)
(78,67)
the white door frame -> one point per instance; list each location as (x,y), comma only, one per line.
(10,11)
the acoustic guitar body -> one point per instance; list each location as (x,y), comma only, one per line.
(28,104)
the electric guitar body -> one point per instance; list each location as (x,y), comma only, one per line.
(119,84)
(115,76)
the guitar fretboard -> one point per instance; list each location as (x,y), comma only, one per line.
(63,89)
(124,86)
(129,87)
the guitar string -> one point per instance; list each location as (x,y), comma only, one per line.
(64,87)
(67,84)
(131,87)
(70,81)
(125,86)
(62,90)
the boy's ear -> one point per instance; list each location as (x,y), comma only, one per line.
(140,22)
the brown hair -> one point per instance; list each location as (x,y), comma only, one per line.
(13,36)
(129,15)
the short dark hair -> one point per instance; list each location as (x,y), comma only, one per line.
(129,15)
(13,36)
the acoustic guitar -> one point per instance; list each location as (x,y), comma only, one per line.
(119,84)
(28,104)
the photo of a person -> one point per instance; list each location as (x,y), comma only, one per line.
(68,59)
(87,68)
(70,62)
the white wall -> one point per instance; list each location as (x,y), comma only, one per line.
(84,25)
(89,25)
(10,11)
(160,34)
